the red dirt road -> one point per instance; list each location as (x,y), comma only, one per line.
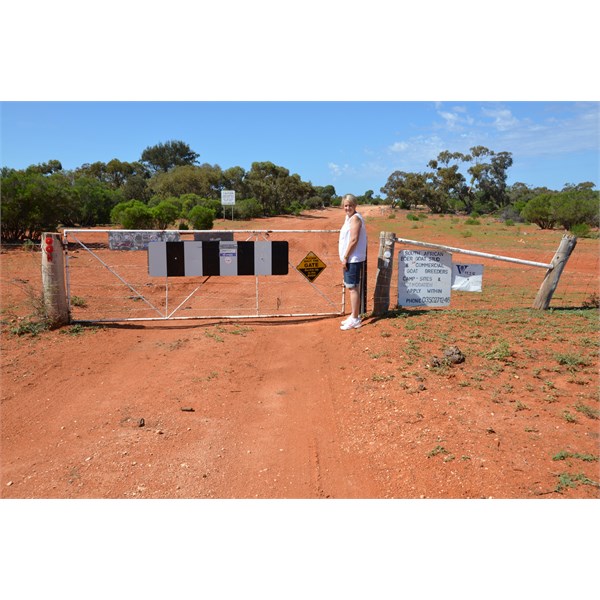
(293,408)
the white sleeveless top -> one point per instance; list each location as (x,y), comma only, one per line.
(359,254)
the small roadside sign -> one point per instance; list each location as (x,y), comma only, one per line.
(311,266)
(228,197)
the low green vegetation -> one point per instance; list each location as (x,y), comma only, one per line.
(29,326)
(570,480)
(437,450)
(500,351)
(564,455)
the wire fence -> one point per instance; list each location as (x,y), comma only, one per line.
(515,285)
(96,293)
(20,281)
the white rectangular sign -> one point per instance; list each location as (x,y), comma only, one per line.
(227,197)
(467,278)
(424,278)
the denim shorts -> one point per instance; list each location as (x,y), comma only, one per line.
(352,274)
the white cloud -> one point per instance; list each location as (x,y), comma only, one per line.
(452,119)
(577,131)
(338,170)
(418,148)
(503,119)
(399,147)
(456,119)
(373,168)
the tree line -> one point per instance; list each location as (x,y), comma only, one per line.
(168,186)
(475,183)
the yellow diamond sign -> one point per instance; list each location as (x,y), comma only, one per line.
(311,266)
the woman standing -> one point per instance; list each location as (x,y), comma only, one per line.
(353,253)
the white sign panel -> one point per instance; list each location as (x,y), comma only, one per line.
(467,278)
(228,258)
(424,278)
(227,197)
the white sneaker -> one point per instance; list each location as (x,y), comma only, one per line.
(351,323)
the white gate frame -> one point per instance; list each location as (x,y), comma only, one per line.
(254,233)
(521,261)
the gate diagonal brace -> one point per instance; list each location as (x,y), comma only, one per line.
(170,315)
(118,276)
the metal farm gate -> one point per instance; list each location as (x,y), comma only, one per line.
(110,276)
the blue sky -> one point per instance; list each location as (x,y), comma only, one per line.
(352,145)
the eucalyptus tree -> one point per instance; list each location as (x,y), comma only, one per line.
(234,179)
(449,182)
(275,189)
(47,168)
(406,190)
(488,177)
(95,201)
(129,177)
(204,181)
(326,193)
(166,155)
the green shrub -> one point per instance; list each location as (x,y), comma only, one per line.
(201,217)
(576,207)
(247,209)
(581,230)
(539,211)
(313,202)
(567,209)
(165,213)
(295,208)
(132,215)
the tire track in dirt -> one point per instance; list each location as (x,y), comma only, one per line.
(288,418)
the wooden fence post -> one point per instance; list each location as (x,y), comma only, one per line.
(53,280)
(385,266)
(544,295)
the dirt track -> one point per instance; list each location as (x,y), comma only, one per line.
(293,409)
